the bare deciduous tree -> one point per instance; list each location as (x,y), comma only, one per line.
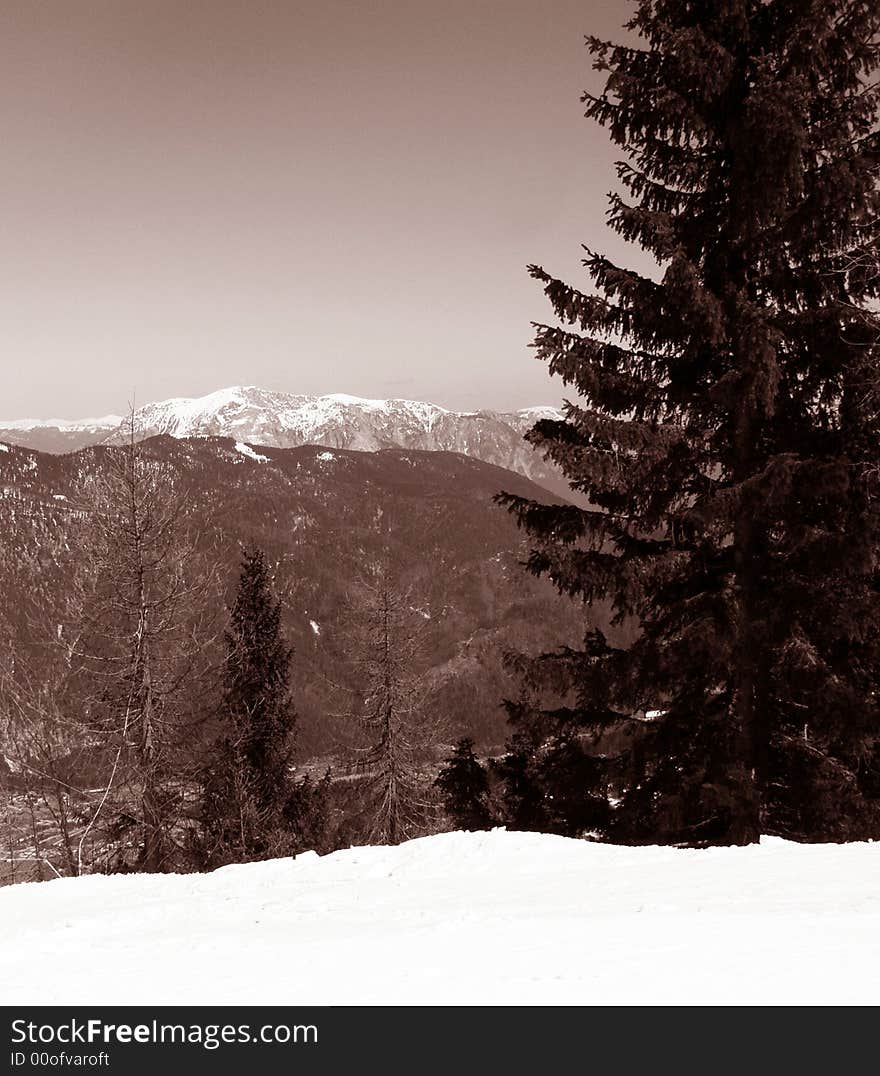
(146,626)
(396,734)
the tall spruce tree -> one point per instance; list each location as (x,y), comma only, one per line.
(248,790)
(726,433)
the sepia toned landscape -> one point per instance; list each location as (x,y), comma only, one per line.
(469,592)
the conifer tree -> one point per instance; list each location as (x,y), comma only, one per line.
(248,789)
(464,785)
(725,430)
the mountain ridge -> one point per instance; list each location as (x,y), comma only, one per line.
(322,516)
(287,420)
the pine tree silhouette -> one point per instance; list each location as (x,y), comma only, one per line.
(464,784)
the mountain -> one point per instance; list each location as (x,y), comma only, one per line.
(323,516)
(283,420)
(57,434)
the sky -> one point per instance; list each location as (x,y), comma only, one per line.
(334,196)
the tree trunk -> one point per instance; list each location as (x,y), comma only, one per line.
(750,734)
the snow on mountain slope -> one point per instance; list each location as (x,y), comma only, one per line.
(471,918)
(338,420)
(285,420)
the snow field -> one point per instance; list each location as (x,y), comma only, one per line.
(461,918)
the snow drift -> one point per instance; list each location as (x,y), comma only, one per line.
(467,918)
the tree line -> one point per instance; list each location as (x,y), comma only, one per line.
(147,727)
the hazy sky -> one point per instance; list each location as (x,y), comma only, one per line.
(334,196)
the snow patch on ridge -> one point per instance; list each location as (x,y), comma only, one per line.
(535,414)
(246,450)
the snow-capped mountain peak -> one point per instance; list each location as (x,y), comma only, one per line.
(266,412)
(339,420)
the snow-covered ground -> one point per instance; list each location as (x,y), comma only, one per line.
(461,918)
